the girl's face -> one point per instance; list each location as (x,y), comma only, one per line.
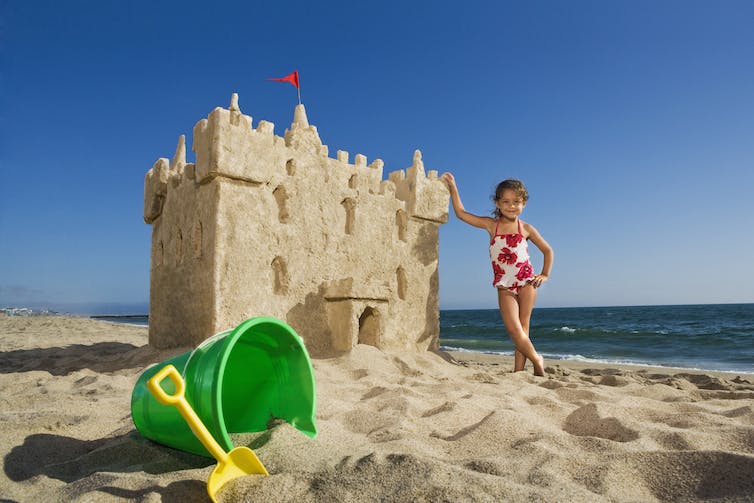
(510,204)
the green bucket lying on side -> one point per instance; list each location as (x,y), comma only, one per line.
(236,381)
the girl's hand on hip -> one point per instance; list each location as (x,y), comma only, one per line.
(539,280)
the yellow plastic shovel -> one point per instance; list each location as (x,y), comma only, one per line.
(238,462)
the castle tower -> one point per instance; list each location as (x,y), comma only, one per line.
(263,225)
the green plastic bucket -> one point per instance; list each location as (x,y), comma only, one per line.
(236,381)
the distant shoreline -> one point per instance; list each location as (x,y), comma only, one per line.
(101,310)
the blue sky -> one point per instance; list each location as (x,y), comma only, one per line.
(631,122)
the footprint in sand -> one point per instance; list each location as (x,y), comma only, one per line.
(740,411)
(405,368)
(463,431)
(369,421)
(602,372)
(586,422)
(704,381)
(483,377)
(84,381)
(359,374)
(483,466)
(607,380)
(575,395)
(376,391)
(552,384)
(445,407)
(384,435)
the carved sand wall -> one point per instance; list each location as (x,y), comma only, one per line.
(263,225)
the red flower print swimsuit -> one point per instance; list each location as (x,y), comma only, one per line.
(509,254)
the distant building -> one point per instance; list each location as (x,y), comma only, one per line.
(268,226)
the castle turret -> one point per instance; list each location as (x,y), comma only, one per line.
(426,195)
(302,136)
(429,196)
(299,117)
(226,145)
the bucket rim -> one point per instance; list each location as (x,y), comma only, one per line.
(230,339)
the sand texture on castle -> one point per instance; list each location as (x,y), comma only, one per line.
(263,225)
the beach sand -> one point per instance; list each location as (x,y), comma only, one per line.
(408,427)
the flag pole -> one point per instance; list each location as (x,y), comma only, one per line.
(298,88)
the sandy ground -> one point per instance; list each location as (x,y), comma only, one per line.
(391,428)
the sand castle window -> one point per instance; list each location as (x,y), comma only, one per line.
(280,271)
(352,182)
(196,243)
(178,247)
(400,276)
(401,222)
(281,196)
(350,207)
(290,167)
(369,327)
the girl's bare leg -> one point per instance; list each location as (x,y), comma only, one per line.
(510,311)
(519,361)
(526,298)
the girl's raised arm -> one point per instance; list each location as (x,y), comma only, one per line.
(486,223)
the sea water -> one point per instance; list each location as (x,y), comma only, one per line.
(710,337)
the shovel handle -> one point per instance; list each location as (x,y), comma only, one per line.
(160,394)
(179,400)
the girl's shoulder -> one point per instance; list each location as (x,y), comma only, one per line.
(529,230)
(490,224)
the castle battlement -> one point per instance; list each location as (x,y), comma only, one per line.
(266,225)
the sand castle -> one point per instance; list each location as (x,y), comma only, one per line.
(263,225)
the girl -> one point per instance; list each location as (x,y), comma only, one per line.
(514,278)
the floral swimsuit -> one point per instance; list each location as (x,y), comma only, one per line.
(509,254)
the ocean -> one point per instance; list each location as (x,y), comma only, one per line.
(707,337)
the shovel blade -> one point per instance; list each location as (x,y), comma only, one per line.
(240,462)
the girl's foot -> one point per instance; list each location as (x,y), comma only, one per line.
(539,366)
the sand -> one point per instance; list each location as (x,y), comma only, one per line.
(406,427)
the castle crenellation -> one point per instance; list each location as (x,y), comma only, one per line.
(273,226)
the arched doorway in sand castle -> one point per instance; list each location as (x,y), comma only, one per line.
(355,312)
(369,327)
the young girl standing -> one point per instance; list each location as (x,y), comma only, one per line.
(514,277)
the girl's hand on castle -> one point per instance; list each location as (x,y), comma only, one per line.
(449,179)
(539,279)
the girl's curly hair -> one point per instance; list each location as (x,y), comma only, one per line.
(516,186)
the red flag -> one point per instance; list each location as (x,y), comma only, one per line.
(292,78)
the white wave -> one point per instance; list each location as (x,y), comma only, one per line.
(604,361)
(633,363)
(567,330)
(484,352)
